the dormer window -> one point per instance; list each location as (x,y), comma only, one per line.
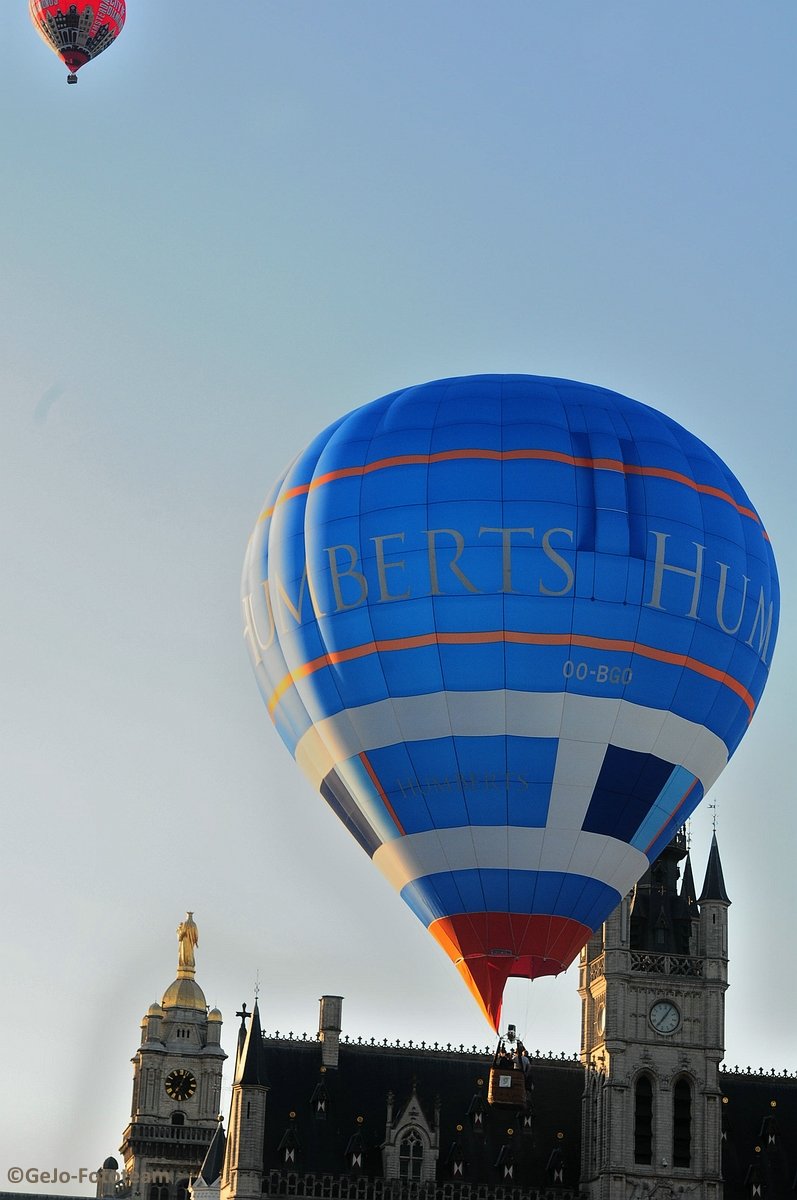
(506,1163)
(555,1167)
(456,1165)
(320,1102)
(410,1157)
(355,1152)
(411,1149)
(289,1144)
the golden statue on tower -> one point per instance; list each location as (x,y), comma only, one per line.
(187,939)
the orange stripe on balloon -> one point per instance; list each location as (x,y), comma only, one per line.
(515,637)
(382,793)
(592,464)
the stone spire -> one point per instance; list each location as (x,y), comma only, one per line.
(242,1177)
(251,1067)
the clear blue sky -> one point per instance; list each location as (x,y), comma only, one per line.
(242,222)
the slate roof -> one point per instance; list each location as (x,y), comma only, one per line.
(327,1118)
(323,1117)
(759,1123)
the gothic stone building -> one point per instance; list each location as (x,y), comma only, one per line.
(644,1113)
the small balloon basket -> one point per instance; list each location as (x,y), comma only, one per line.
(506,1085)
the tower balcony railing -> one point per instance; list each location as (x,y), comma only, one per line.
(169,1133)
(596,967)
(666,964)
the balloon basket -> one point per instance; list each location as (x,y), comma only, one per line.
(71,78)
(506,1086)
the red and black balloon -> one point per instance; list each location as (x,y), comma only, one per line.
(78,30)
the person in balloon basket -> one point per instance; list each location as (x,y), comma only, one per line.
(522,1062)
(503,1058)
(515,1060)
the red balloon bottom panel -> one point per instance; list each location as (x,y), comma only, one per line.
(487,948)
(74,59)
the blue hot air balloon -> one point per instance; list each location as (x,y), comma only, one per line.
(512,628)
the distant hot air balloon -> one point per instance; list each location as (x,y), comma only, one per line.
(512,628)
(78,30)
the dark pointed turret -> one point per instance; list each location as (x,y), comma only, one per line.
(688,890)
(210,1171)
(661,916)
(239,1048)
(714,885)
(252,1060)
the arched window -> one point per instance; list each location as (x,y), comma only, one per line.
(178,1118)
(682,1124)
(181,1190)
(158,1191)
(410,1157)
(643,1120)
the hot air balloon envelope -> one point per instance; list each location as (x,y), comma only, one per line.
(78,30)
(512,628)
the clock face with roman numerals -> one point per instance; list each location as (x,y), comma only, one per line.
(180,1084)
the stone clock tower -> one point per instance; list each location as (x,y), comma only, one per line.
(176,1085)
(652,984)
